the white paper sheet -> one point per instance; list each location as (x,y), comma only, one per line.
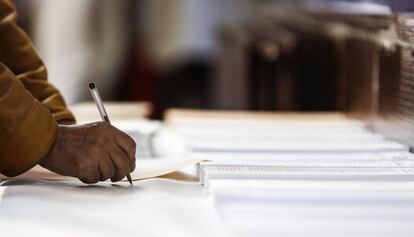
(263,127)
(255,146)
(298,172)
(320,163)
(303,178)
(263,157)
(141,172)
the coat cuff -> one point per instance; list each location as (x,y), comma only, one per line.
(30,143)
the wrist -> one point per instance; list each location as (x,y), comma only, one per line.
(45,160)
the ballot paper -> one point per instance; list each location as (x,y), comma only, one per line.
(263,157)
(269,146)
(237,122)
(296,177)
(302,172)
(374,163)
(239,136)
(261,127)
(289,137)
(152,170)
(275,132)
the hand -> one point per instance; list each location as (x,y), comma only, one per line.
(91,152)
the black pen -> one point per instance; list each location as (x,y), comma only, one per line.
(102,111)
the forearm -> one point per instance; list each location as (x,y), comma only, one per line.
(27,128)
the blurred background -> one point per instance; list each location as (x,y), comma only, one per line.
(224,54)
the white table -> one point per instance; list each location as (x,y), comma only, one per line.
(157,207)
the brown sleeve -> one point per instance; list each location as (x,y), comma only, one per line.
(27,128)
(19,55)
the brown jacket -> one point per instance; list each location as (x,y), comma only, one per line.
(30,107)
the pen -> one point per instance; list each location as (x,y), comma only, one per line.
(102,111)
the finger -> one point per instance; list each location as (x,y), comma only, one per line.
(106,169)
(127,144)
(121,163)
(91,178)
(132,167)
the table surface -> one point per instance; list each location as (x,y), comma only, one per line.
(156,207)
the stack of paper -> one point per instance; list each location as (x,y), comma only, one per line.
(301,177)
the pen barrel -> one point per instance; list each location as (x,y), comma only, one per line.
(97,98)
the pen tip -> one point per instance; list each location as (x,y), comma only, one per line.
(129,179)
(91,85)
